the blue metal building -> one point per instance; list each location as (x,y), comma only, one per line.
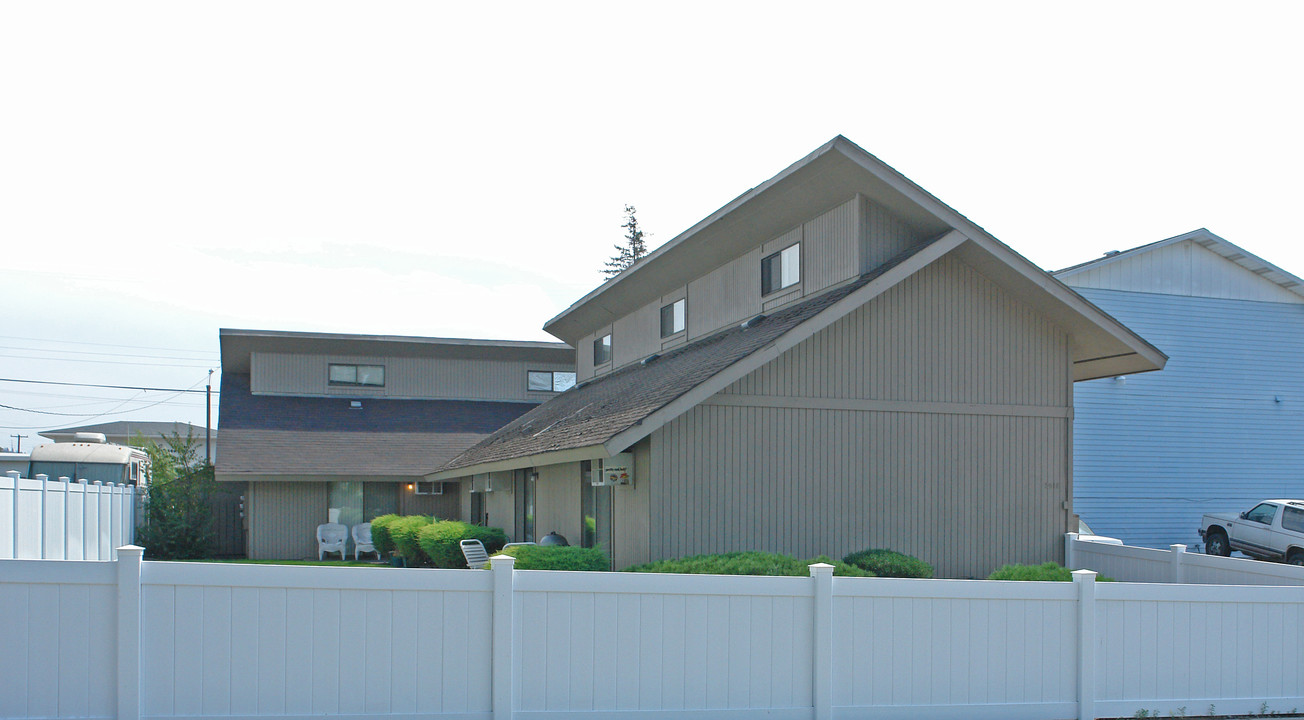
(1222,426)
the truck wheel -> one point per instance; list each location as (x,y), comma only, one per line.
(1295,557)
(1215,543)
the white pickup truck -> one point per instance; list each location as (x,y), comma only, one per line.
(1271,530)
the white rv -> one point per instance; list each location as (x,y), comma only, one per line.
(91,457)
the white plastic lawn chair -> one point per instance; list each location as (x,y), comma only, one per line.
(362,540)
(474,552)
(331,537)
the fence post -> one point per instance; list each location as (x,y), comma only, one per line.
(67,517)
(86,522)
(504,637)
(1085,581)
(1069,539)
(15,475)
(128,563)
(43,524)
(1179,554)
(822,574)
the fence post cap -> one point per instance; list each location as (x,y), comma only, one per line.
(130,549)
(1084,576)
(1177,548)
(503,561)
(817,569)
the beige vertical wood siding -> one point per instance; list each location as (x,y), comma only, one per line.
(557,502)
(1183,268)
(636,335)
(632,523)
(935,420)
(283,519)
(500,505)
(885,236)
(443,507)
(405,377)
(831,247)
(727,294)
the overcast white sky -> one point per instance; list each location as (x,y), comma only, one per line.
(445,169)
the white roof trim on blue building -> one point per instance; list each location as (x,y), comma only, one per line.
(1207,240)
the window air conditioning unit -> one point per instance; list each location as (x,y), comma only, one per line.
(481,483)
(429,487)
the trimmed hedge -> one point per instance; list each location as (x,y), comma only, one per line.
(545,557)
(441,540)
(889,563)
(403,532)
(380,533)
(1047,571)
(747,563)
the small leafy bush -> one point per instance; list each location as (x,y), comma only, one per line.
(747,563)
(380,536)
(1045,572)
(441,541)
(889,563)
(543,557)
(403,532)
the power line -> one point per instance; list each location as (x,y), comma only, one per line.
(112,411)
(106,362)
(114,387)
(213,356)
(81,342)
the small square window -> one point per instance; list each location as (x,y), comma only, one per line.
(602,350)
(539,381)
(673,317)
(781,270)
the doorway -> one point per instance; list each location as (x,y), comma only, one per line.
(597,510)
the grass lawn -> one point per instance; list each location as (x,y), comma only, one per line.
(332,563)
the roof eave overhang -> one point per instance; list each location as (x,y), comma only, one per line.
(554,457)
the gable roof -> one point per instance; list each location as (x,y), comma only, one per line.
(610,413)
(1209,241)
(1100,345)
(129,428)
(291,435)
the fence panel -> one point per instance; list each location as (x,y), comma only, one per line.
(635,642)
(64,520)
(1147,565)
(274,641)
(1176,650)
(940,645)
(57,641)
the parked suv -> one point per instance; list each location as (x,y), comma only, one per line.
(1271,530)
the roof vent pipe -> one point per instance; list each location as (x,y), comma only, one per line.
(753,322)
(650,358)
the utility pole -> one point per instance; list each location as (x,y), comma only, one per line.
(208,420)
(19,438)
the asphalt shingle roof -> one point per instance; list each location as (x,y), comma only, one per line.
(280,435)
(600,409)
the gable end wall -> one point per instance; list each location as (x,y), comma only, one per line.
(935,420)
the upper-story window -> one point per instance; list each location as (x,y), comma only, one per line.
(673,317)
(781,270)
(549,381)
(363,375)
(602,350)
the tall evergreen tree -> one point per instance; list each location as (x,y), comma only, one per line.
(632,250)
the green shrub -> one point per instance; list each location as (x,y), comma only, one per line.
(1047,571)
(747,563)
(403,532)
(546,557)
(889,563)
(380,536)
(441,541)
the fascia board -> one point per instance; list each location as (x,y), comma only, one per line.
(590,452)
(825,318)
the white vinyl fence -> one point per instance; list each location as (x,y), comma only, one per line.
(64,520)
(199,640)
(1175,565)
